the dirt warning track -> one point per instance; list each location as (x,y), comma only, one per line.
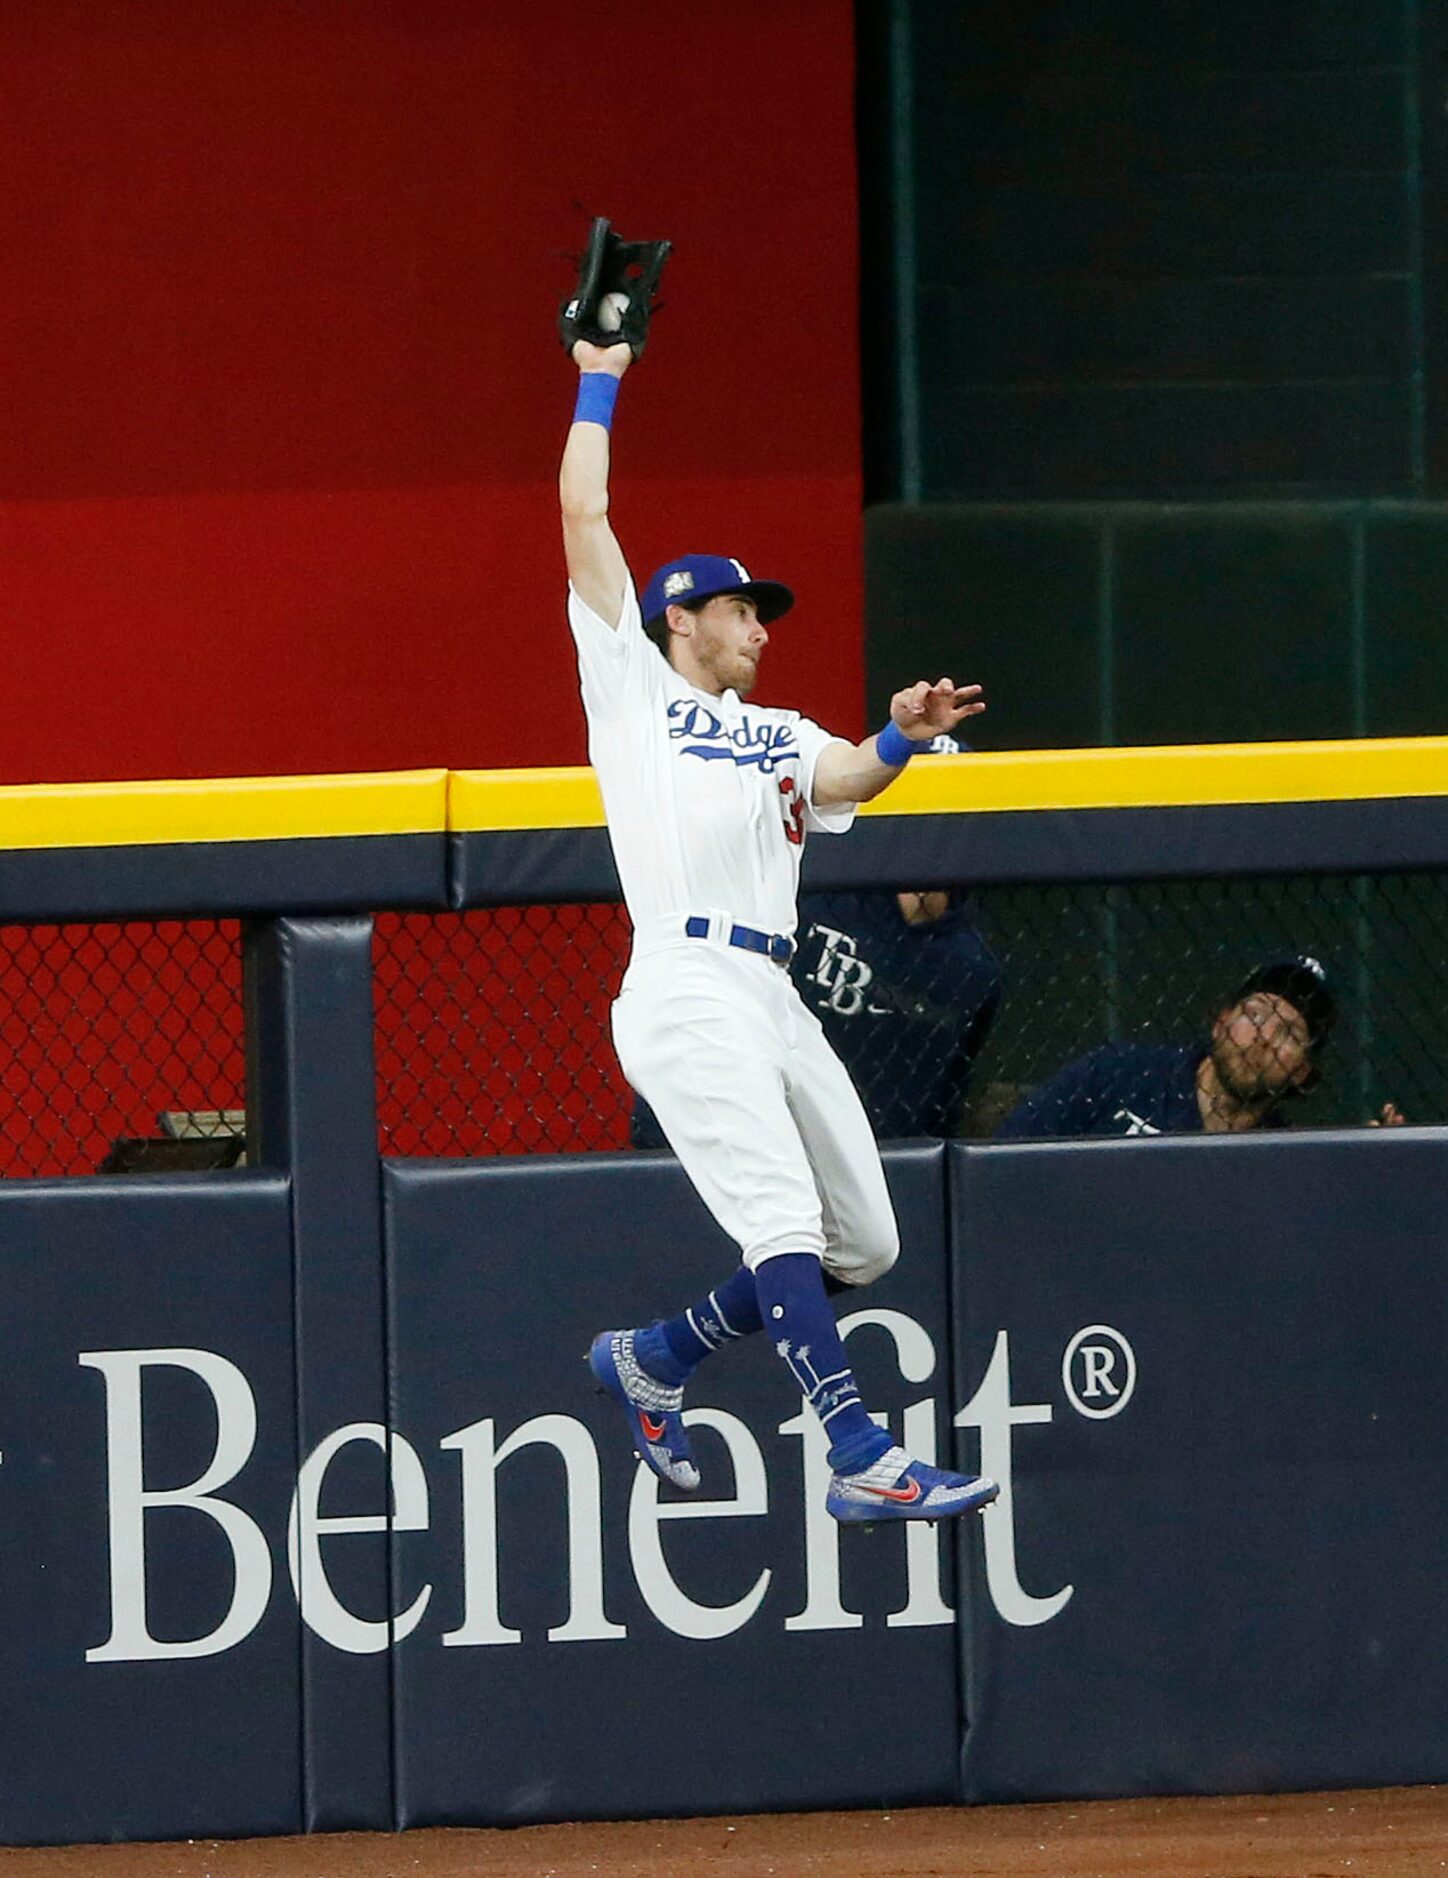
(1394,1832)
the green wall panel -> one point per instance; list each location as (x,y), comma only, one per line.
(1407,623)
(1203,439)
(1233,629)
(1121,249)
(1133,622)
(1014,331)
(1228,35)
(1007,600)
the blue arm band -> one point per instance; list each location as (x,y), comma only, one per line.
(596,394)
(892,746)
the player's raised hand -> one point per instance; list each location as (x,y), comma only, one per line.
(614,295)
(612,359)
(923,711)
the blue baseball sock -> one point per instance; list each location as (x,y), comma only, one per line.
(671,1351)
(794,1306)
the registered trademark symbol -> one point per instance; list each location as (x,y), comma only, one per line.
(1098,1371)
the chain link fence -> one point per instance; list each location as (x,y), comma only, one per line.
(492,1030)
(1169,963)
(957,1013)
(122,1047)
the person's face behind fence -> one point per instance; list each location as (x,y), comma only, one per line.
(1260,1048)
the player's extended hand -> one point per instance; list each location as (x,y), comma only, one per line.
(923,711)
(615,360)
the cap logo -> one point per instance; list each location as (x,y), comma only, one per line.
(739,568)
(680,581)
(1313,966)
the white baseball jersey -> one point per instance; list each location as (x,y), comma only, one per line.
(708,804)
(708,799)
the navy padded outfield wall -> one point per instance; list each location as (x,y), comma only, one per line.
(557,1593)
(329,874)
(1207,1372)
(1002,845)
(312,1111)
(1218,1398)
(149,1669)
(310,1518)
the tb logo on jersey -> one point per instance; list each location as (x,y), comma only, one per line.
(842,974)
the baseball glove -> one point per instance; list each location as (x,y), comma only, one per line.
(614,298)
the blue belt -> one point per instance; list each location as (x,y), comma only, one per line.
(774,945)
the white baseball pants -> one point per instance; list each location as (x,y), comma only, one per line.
(760,1111)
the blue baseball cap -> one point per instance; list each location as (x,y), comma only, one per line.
(1303,982)
(700,576)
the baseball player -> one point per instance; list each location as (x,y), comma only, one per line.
(709,801)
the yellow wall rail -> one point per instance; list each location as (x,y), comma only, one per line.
(237,808)
(1172,775)
(429,801)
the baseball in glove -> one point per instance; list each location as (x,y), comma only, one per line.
(614,298)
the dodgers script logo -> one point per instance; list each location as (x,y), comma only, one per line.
(751,742)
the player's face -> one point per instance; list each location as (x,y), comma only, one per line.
(727,642)
(1261,1047)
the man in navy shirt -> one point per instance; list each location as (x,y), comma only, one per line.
(1264,1049)
(906,990)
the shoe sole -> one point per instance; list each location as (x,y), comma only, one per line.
(869,1517)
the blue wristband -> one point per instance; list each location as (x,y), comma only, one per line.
(892,746)
(597,392)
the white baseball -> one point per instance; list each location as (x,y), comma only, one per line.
(611,310)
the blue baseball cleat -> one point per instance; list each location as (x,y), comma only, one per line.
(895,1487)
(654,1409)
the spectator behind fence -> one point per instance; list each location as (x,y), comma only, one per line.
(1263,1052)
(906,990)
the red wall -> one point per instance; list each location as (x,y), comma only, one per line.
(283,399)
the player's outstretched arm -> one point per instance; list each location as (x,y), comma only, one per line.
(857,772)
(595,561)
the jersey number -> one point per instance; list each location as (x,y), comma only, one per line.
(793,812)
